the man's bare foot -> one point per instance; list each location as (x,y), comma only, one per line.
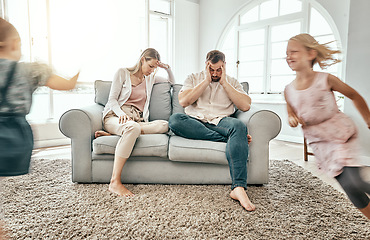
(118,188)
(100,133)
(240,195)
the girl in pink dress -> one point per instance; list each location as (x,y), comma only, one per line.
(330,133)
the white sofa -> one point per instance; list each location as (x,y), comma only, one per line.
(162,158)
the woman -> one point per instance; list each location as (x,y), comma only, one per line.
(127,111)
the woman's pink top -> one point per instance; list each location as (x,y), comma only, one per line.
(138,96)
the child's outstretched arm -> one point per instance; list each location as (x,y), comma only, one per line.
(58,83)
(337,85)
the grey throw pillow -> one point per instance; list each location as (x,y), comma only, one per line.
(102,89)
(160,102)
(245,86)
(176,107)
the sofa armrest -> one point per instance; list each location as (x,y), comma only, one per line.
(80,125)
(260,121)
(263,125)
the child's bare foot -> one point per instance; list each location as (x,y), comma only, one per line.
(240,195)
(249,138)
(100,133)
(118,188)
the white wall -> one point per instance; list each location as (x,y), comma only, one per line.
(47,135)
(186,43)
(358,64)
(214,16)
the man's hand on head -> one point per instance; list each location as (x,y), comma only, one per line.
(208,72)
(223,75)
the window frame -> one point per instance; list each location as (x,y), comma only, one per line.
(170,25)
(303,16)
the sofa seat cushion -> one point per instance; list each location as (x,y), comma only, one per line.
(146,145)
(188,150)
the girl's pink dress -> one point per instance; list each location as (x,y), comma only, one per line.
(331,134)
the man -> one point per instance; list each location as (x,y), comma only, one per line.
(209,98)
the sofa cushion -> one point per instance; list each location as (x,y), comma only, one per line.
(102,89)
(160,102)
(245,86)
(187,150)
(146,145)
(176,107)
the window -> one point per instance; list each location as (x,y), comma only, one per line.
(257,37)
(95,37)
(160,30)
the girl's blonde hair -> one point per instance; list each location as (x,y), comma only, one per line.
(148,54)
(324,56)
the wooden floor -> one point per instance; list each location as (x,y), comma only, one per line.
(279,150)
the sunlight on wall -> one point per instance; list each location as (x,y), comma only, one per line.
(89,35)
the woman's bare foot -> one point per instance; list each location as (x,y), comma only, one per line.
(118,188)
(240,195)
(100,133)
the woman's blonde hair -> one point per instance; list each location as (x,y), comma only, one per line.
(324,56)
(148,54)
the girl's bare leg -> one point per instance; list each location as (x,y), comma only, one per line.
(366,211)
(356,188)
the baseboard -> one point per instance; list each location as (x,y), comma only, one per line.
(52,142)
(289,138)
